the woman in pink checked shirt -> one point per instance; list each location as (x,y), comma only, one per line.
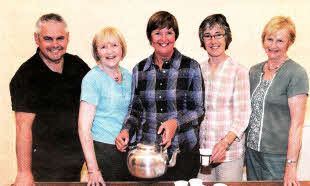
(227,103)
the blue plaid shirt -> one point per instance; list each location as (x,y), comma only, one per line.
(174,92)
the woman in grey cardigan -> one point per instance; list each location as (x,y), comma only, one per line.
(279,91)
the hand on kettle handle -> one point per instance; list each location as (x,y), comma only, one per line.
(122,140)
(169,127)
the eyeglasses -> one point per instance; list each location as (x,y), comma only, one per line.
(215,36)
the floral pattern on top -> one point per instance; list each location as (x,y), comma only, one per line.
(255,123)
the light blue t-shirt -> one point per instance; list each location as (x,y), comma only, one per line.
(112,100)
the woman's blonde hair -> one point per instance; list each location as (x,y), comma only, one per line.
(277,23)
(108,34)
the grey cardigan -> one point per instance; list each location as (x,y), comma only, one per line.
(290,80)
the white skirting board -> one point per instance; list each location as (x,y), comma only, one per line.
(304,163)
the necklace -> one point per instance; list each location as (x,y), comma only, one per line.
(274,68)
(116,79)
(116,76)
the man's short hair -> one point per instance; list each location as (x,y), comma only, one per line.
(49,17)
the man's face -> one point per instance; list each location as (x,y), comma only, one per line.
(52,41)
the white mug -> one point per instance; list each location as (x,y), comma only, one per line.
(219,184)
(205,155)
(181,183)
(195,182)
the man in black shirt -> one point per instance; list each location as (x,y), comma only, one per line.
(45,94)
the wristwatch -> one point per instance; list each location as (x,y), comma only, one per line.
(290,161)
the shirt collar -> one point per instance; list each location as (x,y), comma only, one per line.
(38,53)
(174,61)
(38,57)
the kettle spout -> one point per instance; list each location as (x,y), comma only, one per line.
(173,159)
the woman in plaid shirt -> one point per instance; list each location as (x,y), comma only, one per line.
(167,94)
(227,103)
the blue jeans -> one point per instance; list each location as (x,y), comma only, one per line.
(264,166)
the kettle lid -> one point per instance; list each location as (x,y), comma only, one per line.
(146,147)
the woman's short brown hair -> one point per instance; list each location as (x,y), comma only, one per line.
(162,19)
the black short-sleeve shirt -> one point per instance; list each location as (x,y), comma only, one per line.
(54,98)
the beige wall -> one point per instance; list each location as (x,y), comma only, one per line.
(246,18)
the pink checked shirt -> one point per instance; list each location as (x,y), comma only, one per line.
(228,106)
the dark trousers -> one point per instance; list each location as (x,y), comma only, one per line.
(112,162)
(57,167)
(187,167)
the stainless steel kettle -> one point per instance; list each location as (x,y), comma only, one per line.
(149,161)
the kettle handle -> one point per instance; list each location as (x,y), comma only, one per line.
(132,145)
(158,136)
(171,155)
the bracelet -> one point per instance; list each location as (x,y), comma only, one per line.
(290,161)
(227,142)
(91,172)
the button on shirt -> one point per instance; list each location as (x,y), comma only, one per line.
(175,92)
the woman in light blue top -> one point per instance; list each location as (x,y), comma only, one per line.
(105,97)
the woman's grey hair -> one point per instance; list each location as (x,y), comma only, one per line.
(49,17)
(209,22)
